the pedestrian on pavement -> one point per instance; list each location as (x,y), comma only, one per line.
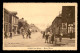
(46,37)
(50,34)
(71,35)
(23,33)
(43,34)
(5,34)
(10,34)
(29,33)
(60,37)
(55,39)
(26,34)
(52,38)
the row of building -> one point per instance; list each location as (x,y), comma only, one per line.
(12,23)
(64,22)
(34,28)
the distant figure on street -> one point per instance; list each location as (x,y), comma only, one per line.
(46,37)
(29,33)
(50,34)
(55,38)
(60,37)
(26,34)
(71,35)
(10,34)
(52,38)
(43,34)
(23,33)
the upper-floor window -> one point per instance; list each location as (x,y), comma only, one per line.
(15,20)
(64,25)
(6,17)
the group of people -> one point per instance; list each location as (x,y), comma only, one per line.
(51,37)
(26,33)
(6,34)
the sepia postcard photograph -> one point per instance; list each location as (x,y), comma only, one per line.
(40,26)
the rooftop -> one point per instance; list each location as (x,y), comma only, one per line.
(11,12)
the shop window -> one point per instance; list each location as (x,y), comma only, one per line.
(70,28)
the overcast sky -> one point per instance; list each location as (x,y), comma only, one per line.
(40,14)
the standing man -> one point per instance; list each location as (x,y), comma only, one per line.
(60,38)
(55,37)
(10,34)
(5,34)
(26,34)
(71,35)
(50,35)
(52,38)
(23,33)
(46,37)
(43,34)
(29,33)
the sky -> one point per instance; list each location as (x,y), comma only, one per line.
(40,14)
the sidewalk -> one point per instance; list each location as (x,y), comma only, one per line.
(65,42)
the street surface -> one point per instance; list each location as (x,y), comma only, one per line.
(35,41)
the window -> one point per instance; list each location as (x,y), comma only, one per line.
(7,17)
(6,29)
(64,25)
(70,28)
